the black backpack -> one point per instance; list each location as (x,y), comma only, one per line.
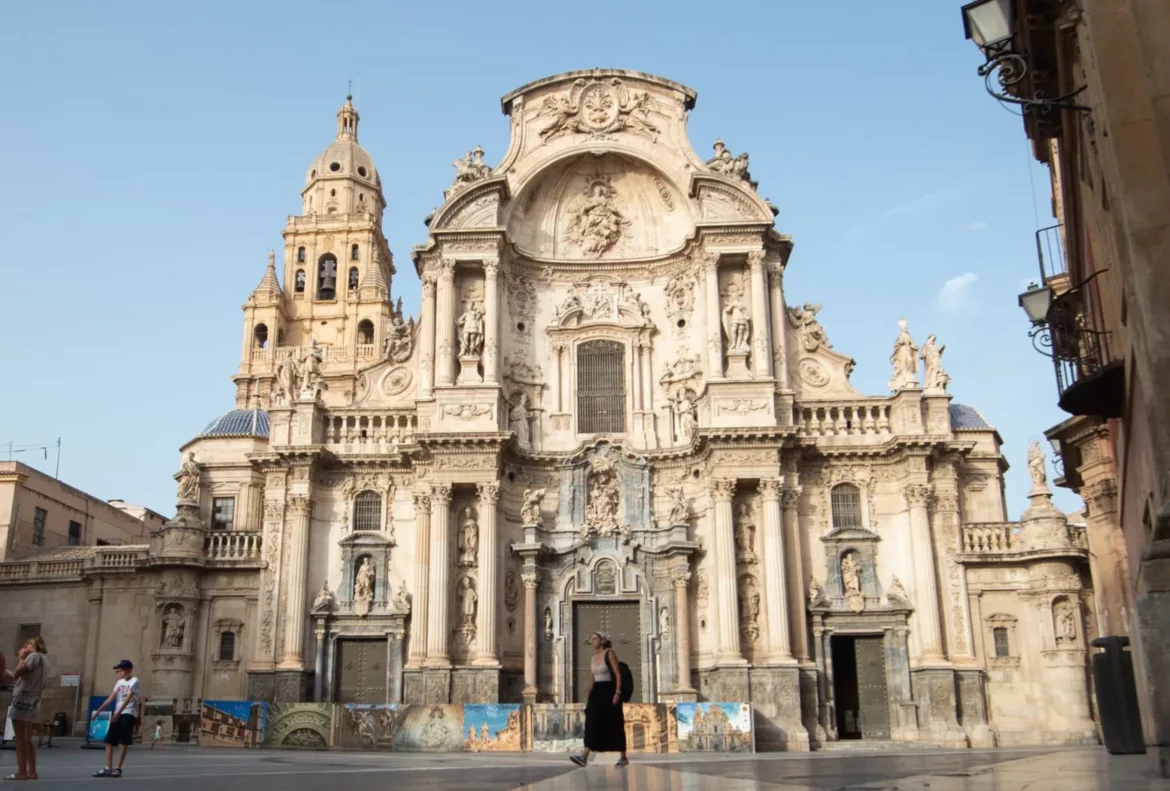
(627,682)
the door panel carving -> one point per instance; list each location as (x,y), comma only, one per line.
(623,623)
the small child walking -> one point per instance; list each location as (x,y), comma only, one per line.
(157,740)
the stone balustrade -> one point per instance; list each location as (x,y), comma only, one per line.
(41,569)
(989,538)
(831,419)
(126,556)
(233,545)
(356,429)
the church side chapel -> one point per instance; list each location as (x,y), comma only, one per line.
(607,416)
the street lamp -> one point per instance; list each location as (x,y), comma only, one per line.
(989,24)
(1035,302)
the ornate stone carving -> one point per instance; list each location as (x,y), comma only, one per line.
(402,599)
(530,511)
(602,509)
(441,493)
(324,601)
(397,380)
(810,333)
(363,588)
(598,107)
(1065,619)
(664,193)
(174,622)
(683,369)
(595,222)
(521,300)
(934,377)
(188,479)
(1036,467)
(740,406)
(469,538)
(815,591)
(521,372)
(685,415)
(511,591)
(723,162)
(399,342)
(468,603)
(680,509)
(904,359)
(467,411)
(896,591)
(745,533)
(520,419)
(548,625)
(680,295)
(851,581)
(723,488)
(749,609)
(470,325)
(737,324)
(468,170)
(812,372)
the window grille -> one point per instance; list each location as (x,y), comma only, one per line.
(367,511)
(846,502)
(601,392)
(1002,647)
(223,513)
(227,646)
(38,534)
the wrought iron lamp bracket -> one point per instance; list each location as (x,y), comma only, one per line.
(1008,69)
(1041,336)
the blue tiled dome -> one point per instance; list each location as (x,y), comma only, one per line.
(967,418)
(238,423)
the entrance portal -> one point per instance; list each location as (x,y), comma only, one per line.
(621,620)
(859,687)
(361,671)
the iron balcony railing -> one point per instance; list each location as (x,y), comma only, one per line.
(1050,252)
(1087,377)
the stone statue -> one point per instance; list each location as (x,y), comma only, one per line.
(174,626)
(363,588)
(664,622)
(468,601)
(738,326)
(680,511)
(324,598)
(1036,467)
(188,478)
(934,377)
(310,369)
(851,575)
(685,415)
(596,224)
(814,591)
(745,533)
(896,590)
(285,387)
(530,511)
(402,598)
(519,419)
(470,169)
(548,623)
(1066,623)
(804,321)
(723,162)
(749,610)
(604,491)
(904,359)
(470,332)
(469,538)
(399,343)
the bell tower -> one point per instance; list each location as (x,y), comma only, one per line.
(337,275)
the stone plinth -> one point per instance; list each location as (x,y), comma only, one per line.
(737,365)
(934,693)
(747,402)
(469,371)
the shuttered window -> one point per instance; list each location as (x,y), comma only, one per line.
(1002,647)
(601,388)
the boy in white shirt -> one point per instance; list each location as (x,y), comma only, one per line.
(126,699)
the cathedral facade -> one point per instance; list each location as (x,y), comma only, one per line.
(608,416)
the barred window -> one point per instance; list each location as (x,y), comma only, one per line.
(227,646)
(1002,647)
(846,502)
(223,513)
(367,511)
(601,391)
(38,534)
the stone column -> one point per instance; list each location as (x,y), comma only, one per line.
(422,574)
(298,557)
(777,312)
(636,376)
(202,626)
(775,584)
(926,615)
(485,631)
(727,649)
(531,580)
(426,373)
(647,379)
(795,579)
(445,325)
(555,378)
(761,346)
(710,263)
(319,664)
(952,577)
(682,632)
(491,322)
(440,565)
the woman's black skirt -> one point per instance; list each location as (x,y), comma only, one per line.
(605,725)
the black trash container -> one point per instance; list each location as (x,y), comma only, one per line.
(1117,702)
(60,724)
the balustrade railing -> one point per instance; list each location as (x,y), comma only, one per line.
(989,537)
(233,545)
(371,429)
(41,569)
(842,419)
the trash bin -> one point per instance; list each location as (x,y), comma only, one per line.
(60,724)
(1117,701)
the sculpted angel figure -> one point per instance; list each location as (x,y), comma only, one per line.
(638,119)
(188,478)
(804,320)
(471,168)
(904,359)
(683,407)
(562,112)
(680,512)
(737,324)
(597,224)
(470,331)
(935,378)
(530,511)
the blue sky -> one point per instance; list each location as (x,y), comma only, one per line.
(152,151)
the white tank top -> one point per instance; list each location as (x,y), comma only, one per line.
(600,671)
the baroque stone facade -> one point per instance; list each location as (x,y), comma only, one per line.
(606,417)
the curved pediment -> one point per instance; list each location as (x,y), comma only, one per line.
(723,199)
(477,207)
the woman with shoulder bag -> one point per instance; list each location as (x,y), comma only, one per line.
(605,724)
(25,709)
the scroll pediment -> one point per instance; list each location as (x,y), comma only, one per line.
(367,539)
(723,201)
(478,207)
(850,535)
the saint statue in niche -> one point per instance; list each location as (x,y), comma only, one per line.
(468,537)
(519,418)
(174,626)
(470,332)
(745,532)
(685,421)
(596,224)
(469,600)
(1066,623)
(737,324)
(851,575)
(363,588)
(604,488)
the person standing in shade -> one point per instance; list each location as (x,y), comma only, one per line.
(25,710)
(123,722)
(605,724)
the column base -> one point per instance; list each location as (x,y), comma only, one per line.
(475,685)
(934,694)
(809,708)
(292,686)
(412,686)
(487,661)
(262,685)
(775,696)
(529,695)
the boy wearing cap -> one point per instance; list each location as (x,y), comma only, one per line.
(124,719)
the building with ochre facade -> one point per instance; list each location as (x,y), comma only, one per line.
(608,416)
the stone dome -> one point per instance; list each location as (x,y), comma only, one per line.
(238,423)
(344,158)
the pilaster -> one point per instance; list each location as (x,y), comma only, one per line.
(926,614)
(728,649)
(761,329)
(440,563)
(775,583)
(422,553)
(485,633)
(445,325)
(295,609)
(426,373)
(491,325)
(682,635)
(710,265)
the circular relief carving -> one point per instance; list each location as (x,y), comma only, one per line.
(812,372)
(599,108)
(396,380)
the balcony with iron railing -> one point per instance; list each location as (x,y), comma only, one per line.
(1090,381)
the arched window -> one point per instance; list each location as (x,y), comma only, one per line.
(846,502)
(367,511)
(365,333)
(327,277)
(260,335)
(299,281)
(601,390)
(353,278)
(1003,648)
(300,255)
(227,646)
(353,253)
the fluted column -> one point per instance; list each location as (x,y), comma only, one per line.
(294,583)
(728,650)
(682,631)
(422,574)
(795,578)
(555,378)
(439,571)
(445,325)
(531,579)
(714,331)
(761,329)
(426,373)
(775,584)
(485,629)
(779,362)
(491,322)
(926,615)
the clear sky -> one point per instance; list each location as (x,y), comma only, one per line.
(151,152)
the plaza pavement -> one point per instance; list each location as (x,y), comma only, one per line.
(180,768)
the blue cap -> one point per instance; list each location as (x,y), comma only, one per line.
(125,664)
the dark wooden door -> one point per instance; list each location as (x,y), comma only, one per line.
(623,623)
(873,695)
(361,671)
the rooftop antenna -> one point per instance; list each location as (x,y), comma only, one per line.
(349,91)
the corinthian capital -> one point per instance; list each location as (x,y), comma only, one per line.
(441,493)
(491,268)
(723,488)
(530,579)
(422,501)
(917,494)
(447,269)
(755,259)
(489,493)
(298,505)
(770,488)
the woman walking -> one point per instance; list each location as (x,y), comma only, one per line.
(26,705)
(605,725)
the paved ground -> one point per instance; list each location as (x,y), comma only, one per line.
(193,769)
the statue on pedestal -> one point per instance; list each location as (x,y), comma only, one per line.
(530,511)
(469,601)
(310,370)
(935,378)
(363,588)
(685,420)
(470,332)
(188,478)
(469,538)
(904,359)
(738,325)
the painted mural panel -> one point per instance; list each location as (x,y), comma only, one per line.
(715,727)
(558,728)
(431,729)
(361,726)
(645,727)
(302,726)
(497,727)
(158,712)
(231,723)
